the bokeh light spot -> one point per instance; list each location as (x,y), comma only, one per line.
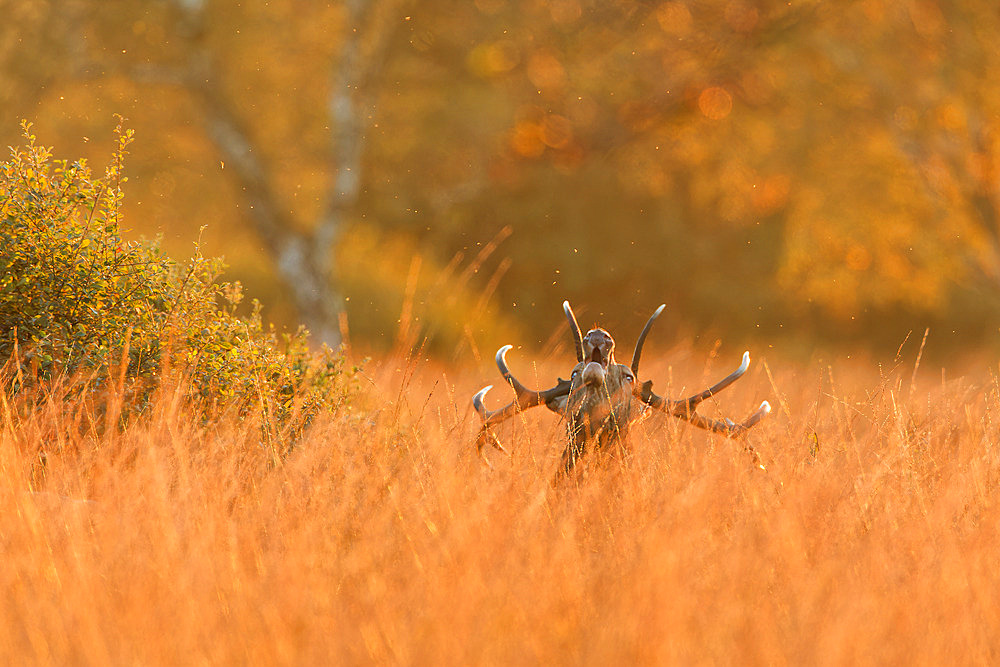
(526,139)
(556,131)
(674,18)
(715,103)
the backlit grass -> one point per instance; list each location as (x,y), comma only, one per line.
(872,536)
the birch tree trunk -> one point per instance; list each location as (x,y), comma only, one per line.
(305,261)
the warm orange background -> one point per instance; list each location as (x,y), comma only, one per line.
(801,172)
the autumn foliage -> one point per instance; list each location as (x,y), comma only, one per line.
(797,170)
(83,308)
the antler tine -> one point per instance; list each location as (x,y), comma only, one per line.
(477,402)
(577,335)
(522,392)
(501,360)
(524,398)
(685,409)
(728,428)
(762,411)
(642,339)
(691,402)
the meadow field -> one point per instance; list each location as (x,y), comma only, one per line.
(869,534)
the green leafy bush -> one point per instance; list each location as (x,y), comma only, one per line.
(77,300)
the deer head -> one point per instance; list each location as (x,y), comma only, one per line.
(603,398)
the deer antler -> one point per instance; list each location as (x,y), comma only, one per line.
(685,409)
(524,398)
(602,398)
(577,335)
(642,339)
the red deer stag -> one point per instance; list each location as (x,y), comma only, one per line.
(602,398)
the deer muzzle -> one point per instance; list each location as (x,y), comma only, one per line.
(593,374)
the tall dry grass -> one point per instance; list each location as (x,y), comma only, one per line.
(871,537)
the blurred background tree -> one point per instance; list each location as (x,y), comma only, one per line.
(796,170)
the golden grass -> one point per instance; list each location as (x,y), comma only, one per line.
(873,535)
